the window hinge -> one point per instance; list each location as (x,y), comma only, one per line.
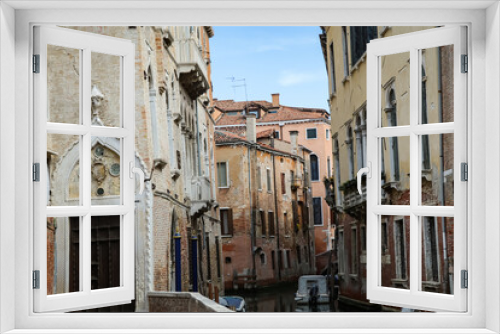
(465,63)
(36,63)
(36,279)
(465,279)
(36,172)
(464,167)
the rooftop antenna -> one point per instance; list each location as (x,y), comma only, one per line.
(244,84)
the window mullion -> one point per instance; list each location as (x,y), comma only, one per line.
(414,256)
(85,173)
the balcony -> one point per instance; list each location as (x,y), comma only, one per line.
(201,195)
(354,203)
(192,67)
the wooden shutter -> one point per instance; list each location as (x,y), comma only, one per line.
(230,221)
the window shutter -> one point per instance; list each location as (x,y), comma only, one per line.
(230,226)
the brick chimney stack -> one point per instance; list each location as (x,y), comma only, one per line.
(294,136)
(276,99)
(251,128)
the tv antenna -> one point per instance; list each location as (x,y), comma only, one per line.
(240,82)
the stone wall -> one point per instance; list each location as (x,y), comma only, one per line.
(183,302)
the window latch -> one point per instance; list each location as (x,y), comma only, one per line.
(134,170)
(364,170)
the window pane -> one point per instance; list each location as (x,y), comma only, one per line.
(437,85)
(437,262)
(105,170)
(311,133)
(63,156)
(318,219)
(395,251)
(314,168)
(437,169)
(105,252)
(63,84)
(222,174)
(106,89)
(395,171)
(395,93)
(63,255)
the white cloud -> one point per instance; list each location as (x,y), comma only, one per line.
(292,78)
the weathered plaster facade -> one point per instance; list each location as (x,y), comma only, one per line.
(174,146)
(268,194)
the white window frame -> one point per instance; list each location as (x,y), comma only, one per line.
(307,136)
(87,43)
(16,304)
(376,131)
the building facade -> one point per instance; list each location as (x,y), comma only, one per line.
(178,240)
(265,208)
(313,131)
(344,50)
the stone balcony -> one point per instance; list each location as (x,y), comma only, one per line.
(201,195)
(354,204)
(192,67)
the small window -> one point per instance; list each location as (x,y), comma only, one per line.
(283,184)
(228,260)
(222,174)
(226,220)
(263,223)
(299,259)
(318,219)
(269,180)
(311,133)
(270,221)
(327,134)
(262,258)
(314,167)
(259,178)
(354,251)
(277,134)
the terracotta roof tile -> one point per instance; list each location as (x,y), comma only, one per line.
(222,137)
(265,133)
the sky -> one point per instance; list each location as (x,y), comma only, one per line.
(284,60)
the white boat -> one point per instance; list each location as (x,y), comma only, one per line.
(309,282)
(235,303)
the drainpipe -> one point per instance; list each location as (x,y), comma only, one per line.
(441,194)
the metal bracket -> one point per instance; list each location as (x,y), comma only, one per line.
(464,171)
(36,279)
(464,277)
(465,64)
(36,172)
(36,63)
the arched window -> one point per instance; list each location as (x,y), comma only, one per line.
(314,168)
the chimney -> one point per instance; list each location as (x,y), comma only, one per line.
(294,135)
(251,128)
(276,99)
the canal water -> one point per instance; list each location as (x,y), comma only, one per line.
(279,298)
